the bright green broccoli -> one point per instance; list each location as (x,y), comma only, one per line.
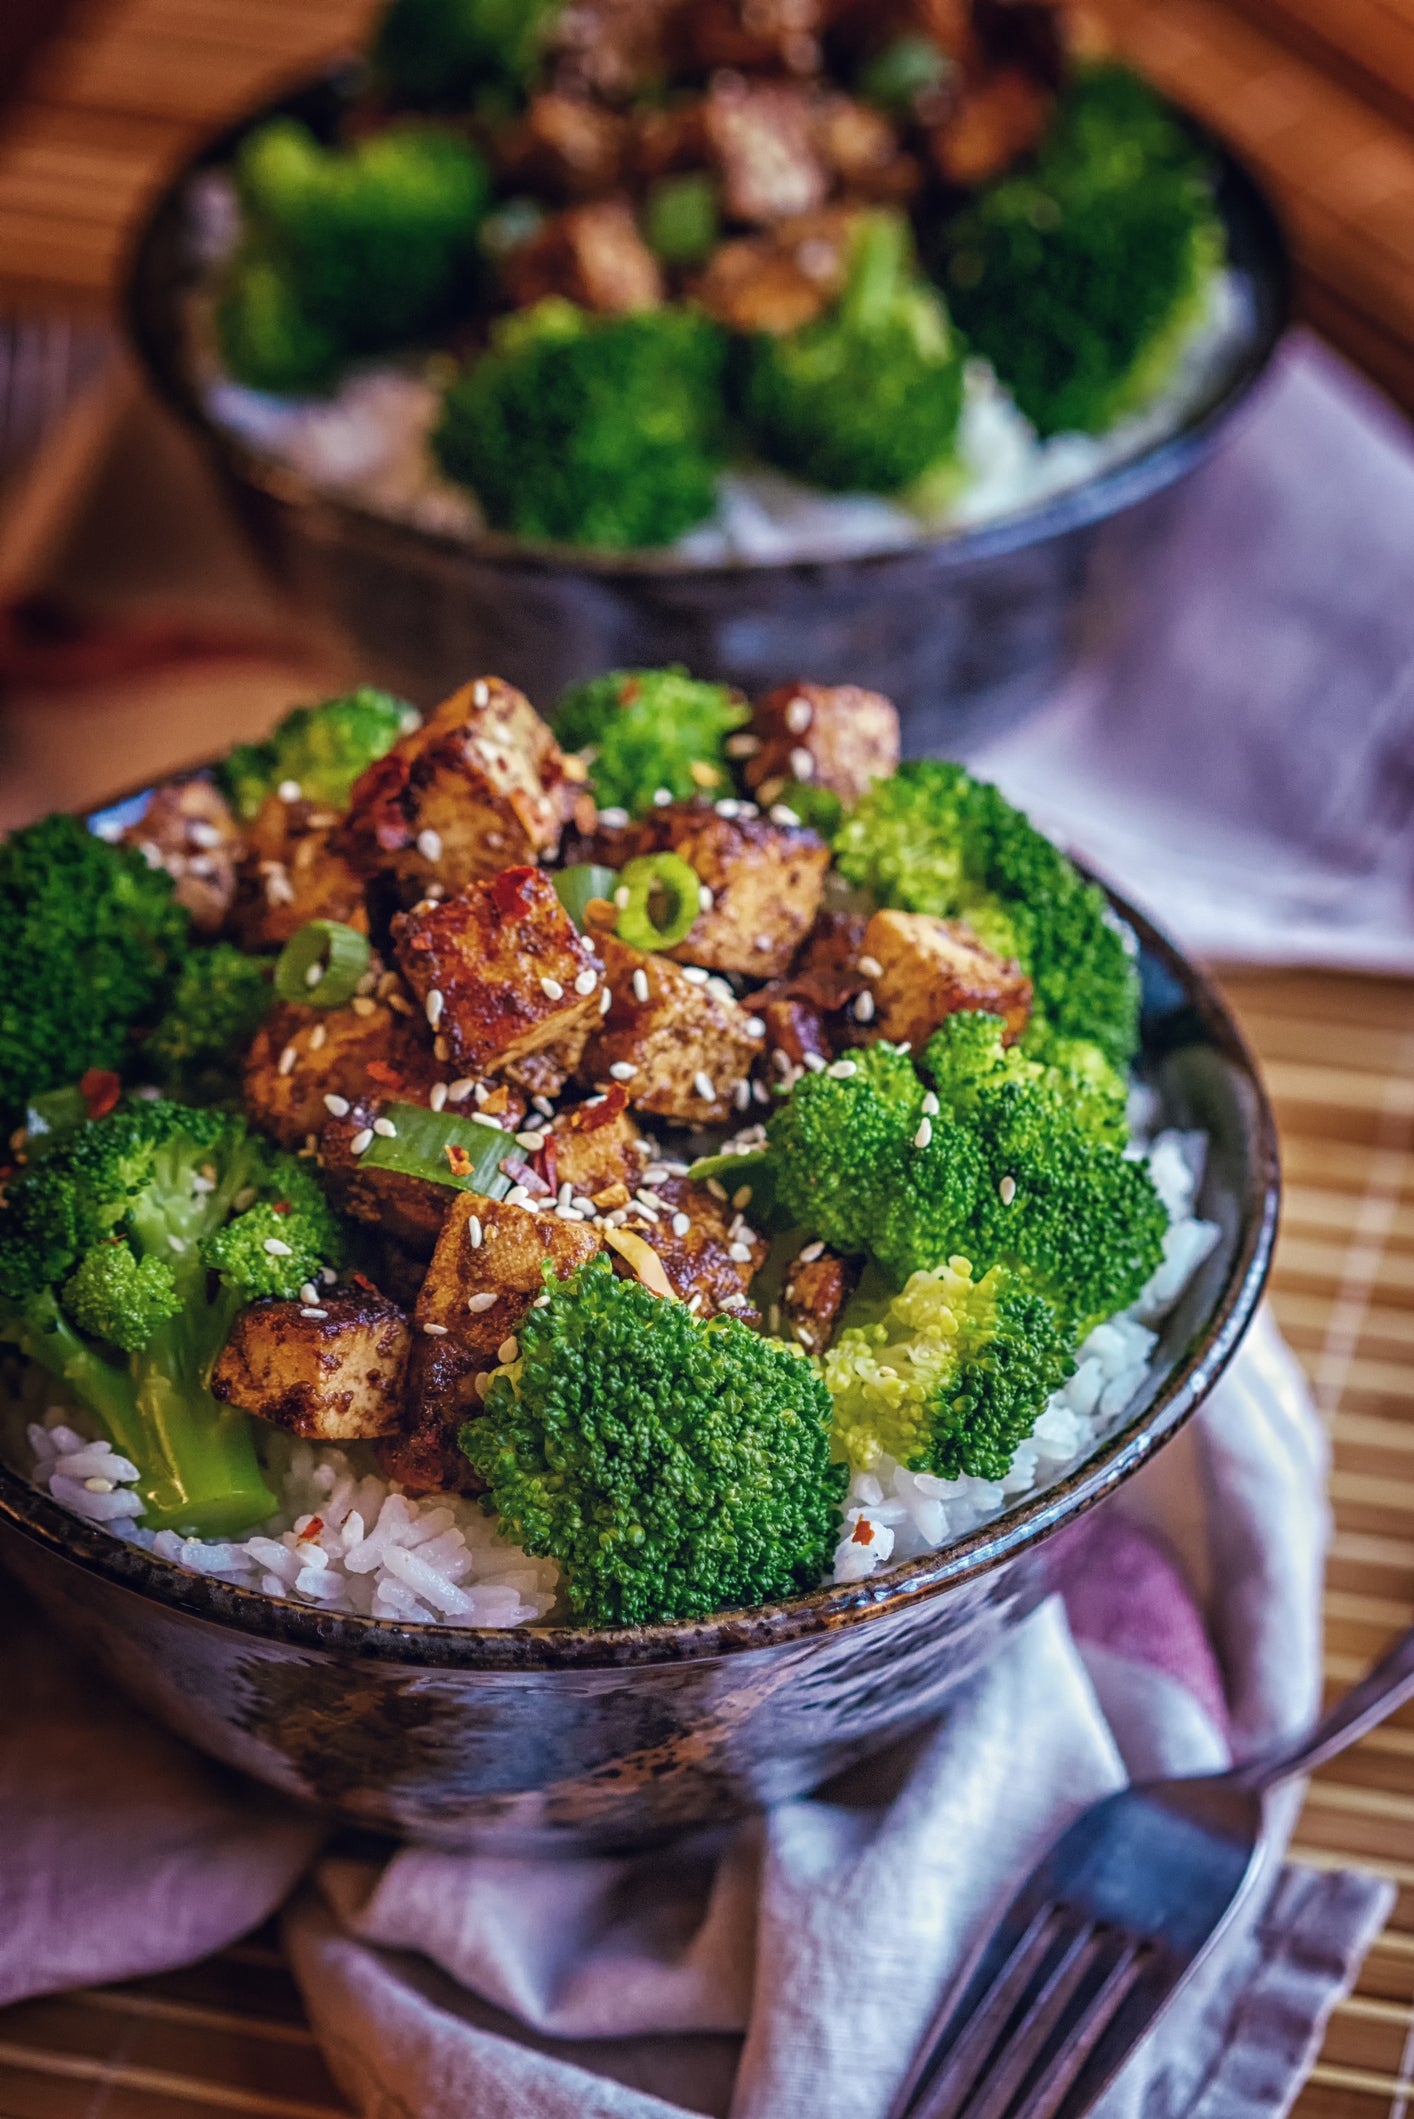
(347,250)
(127,1246)
(321,749)
(649,729)
(1081,276)
(673,1468)
(932,839)
(449,54)
(220,999)
(948,1375)
(592,430)
(866,398)
(91,941)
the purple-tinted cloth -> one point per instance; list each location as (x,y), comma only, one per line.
(783,1969)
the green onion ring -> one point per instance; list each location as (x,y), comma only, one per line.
(651,875)
(578,887)
(337,953)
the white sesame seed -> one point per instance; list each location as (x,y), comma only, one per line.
(739,1253)
(871,967)
(1007,1189)
(429,844)
(435,1331)
(809,1255)
(681,1224)
(717,1189)
(782,813)
(317,1037)
(309,1292)
(517,1197)
(328,1276)
(441,1049)
(544,1106)
(704,898)
(754,1026)
(437,1096)
(288,1058)
(507,1351)
(203,834)
(314,976)
(474,1231)
(243,1199)
(727,808)
(842,1070)
(615,818)
(741,1197)
(362,1005)
(530,1140)
(434,1004)
(702,1083)
(743,746)
(276,1249)
(622,1071)
(481,693)
(814,1062)
(764,943)
(622,896)
(177,1243)
(924,1134)
(459,1090)
(336,1106)
(931,1106)
(799,715)
(802,764)
(760,1092)
(741,1093)
(586,982)
(864,1008)
(385,1128)
(695,974)
(361,1141)
(734,1302)
(288,791)
(480,1091)
(640,986)
(367,982)
(606,1001)
(552,989)
(695,1304)
(482,1383)
(477,1304)
(662,796)
(312,1309)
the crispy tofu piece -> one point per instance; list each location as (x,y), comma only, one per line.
(997,119)
(836,736)
(754,35)
(765,879)
(293,871)
(760,139)
(332,1371)
(795,1028)
(592,255)
(709,1250)
(504,976)
(688,1047)
(783,279)
(815,1292)
(827,970)
(486,1249)
(481,786)
(861,149)
(597,1148)
(565,147)
(613,48)
(372,1049)
(409,1209)
(187,828)
(930,969)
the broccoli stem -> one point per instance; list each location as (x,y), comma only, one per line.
(47,1337)
(878,264)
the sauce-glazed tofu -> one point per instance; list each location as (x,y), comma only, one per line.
(709,1250)
(304,1062)
(293,872)
(504,977)
(929,969)
(487,1270)
(480,786)
(565,147)
(764,881)
(411,1210)
(592,255)
(597,1148)
(187,828)
(782,279)
(816,1289)
(679,1049)
(836,736)
(331,1371)
(761,140)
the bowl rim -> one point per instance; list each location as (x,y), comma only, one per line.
(24,1509)
(149,298)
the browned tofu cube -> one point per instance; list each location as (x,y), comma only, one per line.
(481,786)
(929,969)
(596,1148)
(827,970)
(679,1050)
(795,1028)
(304,1062)
(765,882)
(487,1270)
(708,1248)
(187,828)
(816,1289)
(861,148)
(331,1371)
(615,49)
(503,975)
(565,147)
(836,736)
(411,1210)
(293,871)
(592,255)
(783,279)
(997,119)
(753,35)
(760,137)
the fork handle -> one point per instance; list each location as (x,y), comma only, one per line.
(1378,1693)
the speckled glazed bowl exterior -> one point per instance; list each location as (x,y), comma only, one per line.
(553,1737)
(966,632)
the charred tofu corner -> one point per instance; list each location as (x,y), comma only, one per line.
(293,871)
(330,1371)
(817,1286)
(303,1063)
(761,884)
(187,828)
(928,969)
(835,736)
(678,1049)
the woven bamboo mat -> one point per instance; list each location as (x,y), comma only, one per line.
(229,2037)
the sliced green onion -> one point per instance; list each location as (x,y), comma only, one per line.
(418,1148)
(322,964)
(683,218)
(664,899)
(575,887)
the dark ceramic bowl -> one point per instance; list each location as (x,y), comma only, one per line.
(966,632)
(549,1736)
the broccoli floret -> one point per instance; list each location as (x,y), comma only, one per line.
(91,940)
(866,398)
(673,1468)
(932,839)
(948,1375)
(126,1251)
(323,749)
(1080,277)
(650,729)
(347,250)
(442,54)
(593,430)
(219,1002)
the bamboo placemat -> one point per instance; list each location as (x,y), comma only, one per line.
(229,2036)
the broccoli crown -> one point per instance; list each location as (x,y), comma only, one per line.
(442,53)
(948,1375)
(1081,276)
(113,1294)
(349,249)
(932,839)
(594,430)
(649,729)
(90,942)
(867,397)
(323,749)
(220,999)
(673,1468)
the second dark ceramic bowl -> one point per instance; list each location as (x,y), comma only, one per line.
(966,632)
(549,1737)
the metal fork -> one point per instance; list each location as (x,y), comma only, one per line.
(1111,1924)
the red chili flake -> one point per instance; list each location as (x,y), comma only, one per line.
(590,1117)
(548,1163)
(281,1206)
(387,1075)
(629,690)
(863,1532)
(313,1529)
(510,890)
(100,1091)
(458,1161)
(361,1280)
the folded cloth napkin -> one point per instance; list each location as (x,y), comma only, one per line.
(1238,753)
(784,1968)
